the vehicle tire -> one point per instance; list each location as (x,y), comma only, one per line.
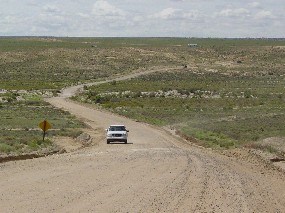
(126,141)
(108,141)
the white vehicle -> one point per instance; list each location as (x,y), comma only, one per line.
(117,133)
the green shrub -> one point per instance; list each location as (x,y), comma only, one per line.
(211,139)
(5,148)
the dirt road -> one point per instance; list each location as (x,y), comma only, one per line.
(155,172)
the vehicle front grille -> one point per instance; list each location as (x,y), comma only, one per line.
(117,135)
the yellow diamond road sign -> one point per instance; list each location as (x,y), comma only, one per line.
(45,125)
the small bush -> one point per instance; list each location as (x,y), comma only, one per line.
(5,148)
(113,83)
(212,139)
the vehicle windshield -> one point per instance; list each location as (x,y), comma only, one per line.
(117,128)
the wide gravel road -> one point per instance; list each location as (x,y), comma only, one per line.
(154,172)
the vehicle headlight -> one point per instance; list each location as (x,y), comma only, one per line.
(109,135)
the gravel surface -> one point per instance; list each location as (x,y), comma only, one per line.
(154,172)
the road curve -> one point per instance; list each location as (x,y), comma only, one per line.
(154,172)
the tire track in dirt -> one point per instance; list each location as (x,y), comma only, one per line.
(205,183)
(156,172)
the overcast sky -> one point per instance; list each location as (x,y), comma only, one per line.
(140,18)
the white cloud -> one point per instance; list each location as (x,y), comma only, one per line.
(138,18)
(51,23)
(255,5)
(240,12)
(264,15)
(83,15)
(10,20)
(168,13)
(176,14)
(104,8)
(33,3)
(219,18)
(194,15)
(51,9)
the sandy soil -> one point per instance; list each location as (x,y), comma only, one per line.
(155,172)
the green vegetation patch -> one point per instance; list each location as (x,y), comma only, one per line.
(19,131)
(22,141)
(42,63)
(230,91)
(52,63)
(221,110)
(211,139)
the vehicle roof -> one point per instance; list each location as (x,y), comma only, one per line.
(118,125)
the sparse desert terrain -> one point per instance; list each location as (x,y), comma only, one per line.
(204,124)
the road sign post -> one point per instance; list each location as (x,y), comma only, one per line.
(45,126)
